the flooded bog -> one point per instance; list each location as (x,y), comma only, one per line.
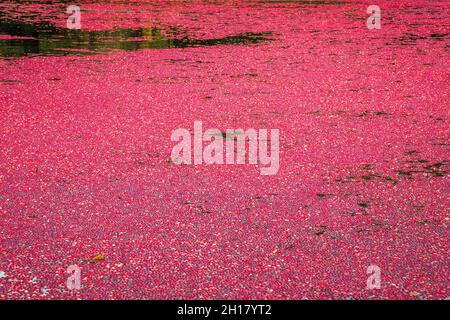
(91,185)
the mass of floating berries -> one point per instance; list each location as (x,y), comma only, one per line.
(86,119)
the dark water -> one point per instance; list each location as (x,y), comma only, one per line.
(43,38)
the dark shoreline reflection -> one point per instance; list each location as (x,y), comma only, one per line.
(43,38)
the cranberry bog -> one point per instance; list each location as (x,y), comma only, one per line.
(87,181)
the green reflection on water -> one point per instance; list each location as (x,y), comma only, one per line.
(43,38)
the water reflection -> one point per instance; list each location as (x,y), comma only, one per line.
(43,38)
